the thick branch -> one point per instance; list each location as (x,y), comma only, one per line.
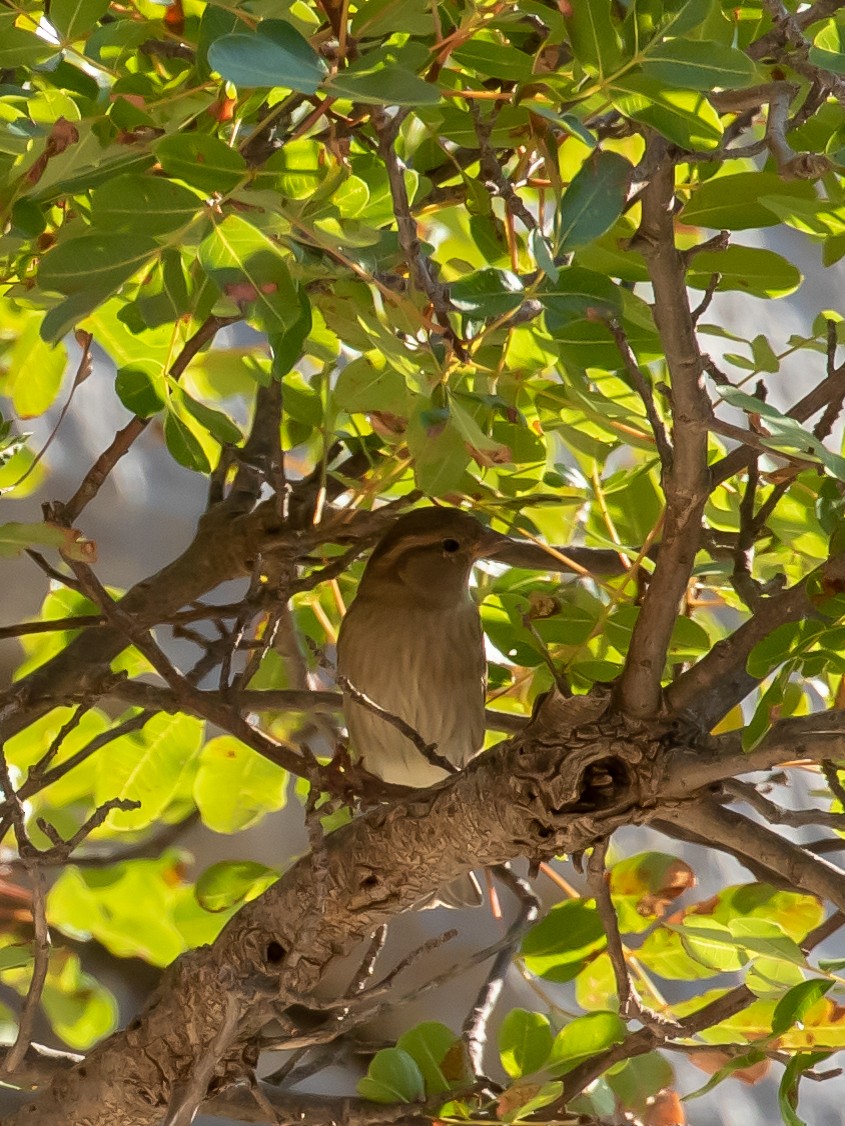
(686,484)
(720,680)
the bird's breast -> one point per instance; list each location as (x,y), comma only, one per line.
(423,664)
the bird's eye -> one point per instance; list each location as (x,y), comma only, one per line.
(450,546)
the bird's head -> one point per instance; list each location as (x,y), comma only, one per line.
(430,552)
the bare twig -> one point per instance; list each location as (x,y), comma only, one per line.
(123,439)
(776,814)
(420,267)
(492,170)
(427,750)
(661,438)
(474,1029)
(41,947)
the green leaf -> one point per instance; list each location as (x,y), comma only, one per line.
(19,46)
(98,262)
(286,347)
(127,907)
(439,453)
(235,786)
(733,202)
(524,1099)
(560,944)
(141,388)
(392,1077)
(786,433)
(584,1037)
(594,200)
(276,54)
(794,1005)
(251,271)
(230,882)
(147,766)
(493,59)
(711,943)
(593,37)
(368,383)
(749,269)
(183,444)
(525,1040)
(75,19)
(80,1009)
(218,424)
(683,116)
(828,49)
(697,64)
(788,1090)
(487,293)
(34,373)
(388,85)
(147,205)
(577,294)
(202,161)
(16,955)
(16,537)
(436,1049)
(163,295)
(767,938)
(542,253)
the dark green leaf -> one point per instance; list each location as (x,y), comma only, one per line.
(140,387)
(389,85)
(794,1005)
(286,347)
(487,293)
(577,294)
(147,205)
(183,445)
(98,261)
(202,161)
(594,200)
(696,64)
(494,60)
(749,269)
(594,39)
(276,54)
(75,19)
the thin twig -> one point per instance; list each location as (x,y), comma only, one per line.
(427,750)
(474,1030)
(661,438)
(124,439)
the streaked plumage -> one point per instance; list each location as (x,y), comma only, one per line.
(412,642)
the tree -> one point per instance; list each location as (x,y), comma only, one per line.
(475,244)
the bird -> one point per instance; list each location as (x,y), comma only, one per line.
(412,643)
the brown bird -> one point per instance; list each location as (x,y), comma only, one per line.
(412,643)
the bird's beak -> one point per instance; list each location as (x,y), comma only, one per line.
(493,545)
(521,553)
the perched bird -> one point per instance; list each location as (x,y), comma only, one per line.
(412,643)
